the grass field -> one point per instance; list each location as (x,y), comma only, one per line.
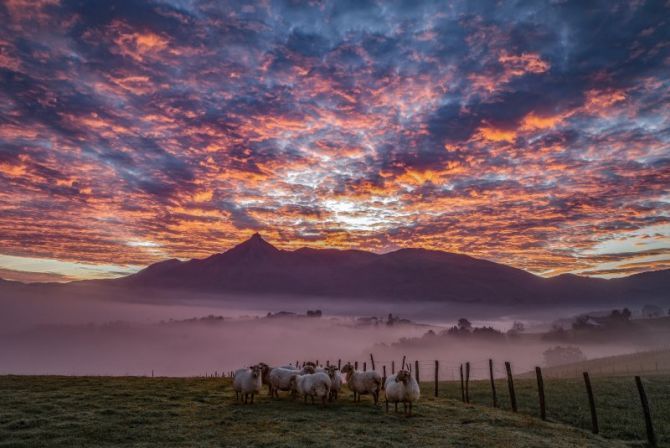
(648,363)
(103,411)
(617,403)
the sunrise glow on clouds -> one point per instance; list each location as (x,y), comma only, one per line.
(536,135)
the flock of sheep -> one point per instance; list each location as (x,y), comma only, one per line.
(324,383)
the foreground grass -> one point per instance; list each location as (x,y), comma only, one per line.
(100,411)
(617,403)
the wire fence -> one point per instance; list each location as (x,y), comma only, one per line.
(557,394)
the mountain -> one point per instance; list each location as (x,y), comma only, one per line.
(257,267)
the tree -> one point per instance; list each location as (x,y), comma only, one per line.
(620,316)
(486,332)
(464,324)
(429,334)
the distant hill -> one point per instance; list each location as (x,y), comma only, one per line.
(257,267)
(656,362)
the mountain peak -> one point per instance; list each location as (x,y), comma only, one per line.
(253,248)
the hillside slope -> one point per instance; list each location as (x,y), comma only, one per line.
(201,412)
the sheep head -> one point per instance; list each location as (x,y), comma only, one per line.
(348,370)
(309,368)
(255,371)
(331,371)
(265,370)
(403,376)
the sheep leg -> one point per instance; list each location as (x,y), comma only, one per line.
(410,408)
(252,398)
(396,406)
(387,405)
(237,396)
(305,398)
(312,398)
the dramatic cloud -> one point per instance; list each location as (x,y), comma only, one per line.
(534,134)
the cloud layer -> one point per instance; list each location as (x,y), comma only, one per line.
(532,134)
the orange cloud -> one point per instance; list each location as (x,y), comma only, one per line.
(532,122)
(497,135)
(518,65)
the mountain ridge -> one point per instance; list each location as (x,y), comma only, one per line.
(256,267)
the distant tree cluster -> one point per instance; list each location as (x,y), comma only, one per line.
(614,319)
(394,320)
(310,313)
(464,328)
(206,319)
(589,325)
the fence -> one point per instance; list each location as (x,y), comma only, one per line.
(497,377)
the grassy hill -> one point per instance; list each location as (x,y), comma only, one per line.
(103,411)
(648,363)
(617,403)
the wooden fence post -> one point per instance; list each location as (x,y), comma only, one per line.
(339,364)
(493,385)
(392,367)
(317,363)
(592,403)
(365,366)
(462,384)
(327,363)
(416,365)
(372,361)
(384,376)
(510,385)
(402,367)
(467,382)
(540,392)
(355,365)
(437,370)
(651,436)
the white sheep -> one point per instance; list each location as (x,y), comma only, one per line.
(265,375)
(335,381)
(403,388)
(279,378)
(247,382)
(362,383)
(312,385)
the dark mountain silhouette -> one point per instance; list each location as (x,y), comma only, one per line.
(257,267)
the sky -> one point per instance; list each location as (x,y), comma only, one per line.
(535,134)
